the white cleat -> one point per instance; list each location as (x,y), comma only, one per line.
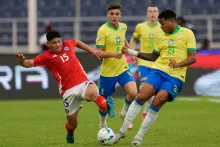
(136,141)
(119,135)
(130,126)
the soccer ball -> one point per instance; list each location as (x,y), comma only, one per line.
(106,136)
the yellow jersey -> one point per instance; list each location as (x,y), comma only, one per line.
(174,46)
(148,35)
(112,40)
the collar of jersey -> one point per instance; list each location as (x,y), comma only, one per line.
(110,26)
(151,25)
(176,30)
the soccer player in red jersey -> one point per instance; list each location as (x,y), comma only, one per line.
(72,80)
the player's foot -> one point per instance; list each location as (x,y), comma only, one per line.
(130,126)
(103,124)
(111,107)
(143,116)
(136,141)
(119,135)
(69,138)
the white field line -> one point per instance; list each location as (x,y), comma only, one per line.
(214,100)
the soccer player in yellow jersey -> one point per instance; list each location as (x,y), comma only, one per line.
(174,52)
(114,69)
(147,32)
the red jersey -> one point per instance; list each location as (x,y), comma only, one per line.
(64,65)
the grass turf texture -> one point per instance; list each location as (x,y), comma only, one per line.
(41,123)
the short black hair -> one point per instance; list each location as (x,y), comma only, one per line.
(114,5)
(52,34)
(167,14)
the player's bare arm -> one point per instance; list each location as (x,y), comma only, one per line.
(146,56)
(23,61)
(89,49)
(188,61)
(110,54)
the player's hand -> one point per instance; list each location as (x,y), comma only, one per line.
(124,50)
(97,54)
(134,59)
(20,58)
(118,55)
(173,63)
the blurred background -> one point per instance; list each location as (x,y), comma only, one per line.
(23,24)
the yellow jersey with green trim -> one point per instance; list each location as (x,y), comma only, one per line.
(148,35)
(174,46)
(112,40)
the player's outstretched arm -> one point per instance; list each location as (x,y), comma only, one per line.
(188,61)
(89,49)
(109,54)
(23,61)
(146,56)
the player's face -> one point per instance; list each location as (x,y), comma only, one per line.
(167,25)
(114,16)
(152,13)
(55,45)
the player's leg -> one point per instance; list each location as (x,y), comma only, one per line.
(72,104)
(160,99)
(91,94)
(71,125)
(168,91)
(127,81)
(143,72)
(145,93)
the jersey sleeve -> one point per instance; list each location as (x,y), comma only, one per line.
(40,60)
(191,41)
(136,33)
(100,39)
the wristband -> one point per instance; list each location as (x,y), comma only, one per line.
(132,52)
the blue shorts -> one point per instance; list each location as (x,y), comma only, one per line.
(162,81)
(143,72)
(107,84)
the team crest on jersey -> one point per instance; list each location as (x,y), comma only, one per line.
(66,48)
(151,36)
(118,40)
(170,43)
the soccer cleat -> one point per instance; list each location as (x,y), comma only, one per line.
(136,141)
(69,138)
(119,135)
(110,107)
(143,116)
(130,126)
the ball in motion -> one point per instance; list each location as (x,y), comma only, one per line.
(106,136)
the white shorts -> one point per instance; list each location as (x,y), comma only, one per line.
(73,97)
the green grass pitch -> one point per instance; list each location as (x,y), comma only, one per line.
(39,123)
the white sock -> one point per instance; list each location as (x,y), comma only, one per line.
(124,109)
(133,111)
(148,121)
(102,118)
(147,104)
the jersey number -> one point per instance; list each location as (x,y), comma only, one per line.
(64,57)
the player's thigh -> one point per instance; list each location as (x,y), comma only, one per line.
(146,92)
(107,86)
(131,89)
(172,86)
(160,99)
(143,72)
(72,104)
(91,92)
